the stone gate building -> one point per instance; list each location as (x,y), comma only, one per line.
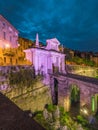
(48,58)
(66,89)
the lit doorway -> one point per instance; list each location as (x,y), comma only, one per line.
(94,103)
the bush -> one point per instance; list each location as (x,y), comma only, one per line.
(82,120)
(80,61)
(50,107)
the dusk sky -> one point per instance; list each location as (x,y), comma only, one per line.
(73,22)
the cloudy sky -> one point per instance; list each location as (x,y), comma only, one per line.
(73,22)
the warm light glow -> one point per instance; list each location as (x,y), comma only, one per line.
(85,111)
(93,103)
(18,44)
(7,45)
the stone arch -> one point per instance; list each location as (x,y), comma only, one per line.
(55,99)
(74,93)
(74,99)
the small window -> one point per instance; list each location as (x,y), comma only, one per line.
(11,60)
(4,35)
(3,24)
(16,61)
(4,59)
(10,38)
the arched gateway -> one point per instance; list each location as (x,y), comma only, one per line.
(47,58)
(78,91)
(50,62)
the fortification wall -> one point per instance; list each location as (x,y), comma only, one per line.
(82,70)
(32,98)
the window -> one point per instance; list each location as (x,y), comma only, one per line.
(16,61)
(3,24)
(10,38)
(11,60)
(4,59)
(4,35)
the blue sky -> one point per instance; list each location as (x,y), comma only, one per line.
(73,22)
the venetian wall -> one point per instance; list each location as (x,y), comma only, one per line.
(27,98)
(32,98)
(82,70)
(87,90)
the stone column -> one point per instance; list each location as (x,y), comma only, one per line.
(63,64)
(64,95)
(67,101)
(59,64)
(36,65)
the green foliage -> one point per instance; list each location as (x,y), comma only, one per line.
(51,108)
(82,120)
(23,77)
(80,61)
(89,62)
(39,118)
(64,118)
(39,115)
(97,77)
(62,110)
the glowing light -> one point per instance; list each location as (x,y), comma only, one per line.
(18,44)
(7,45)
(93,103)
(85,111)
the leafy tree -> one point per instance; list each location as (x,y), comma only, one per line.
(80,61)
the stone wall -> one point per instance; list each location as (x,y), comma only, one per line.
(87,90)
(31,98)
(82,70)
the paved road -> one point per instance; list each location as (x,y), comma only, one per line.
(81,78)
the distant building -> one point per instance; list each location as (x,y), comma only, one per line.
(8,42)
(48,58)
(94,58)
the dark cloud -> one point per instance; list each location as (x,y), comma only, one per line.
(73,22)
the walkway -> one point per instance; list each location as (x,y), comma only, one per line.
(79,77)
(13,118)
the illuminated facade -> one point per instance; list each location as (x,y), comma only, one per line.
(8,43)
(23,44)
(48,58)
(11,47)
